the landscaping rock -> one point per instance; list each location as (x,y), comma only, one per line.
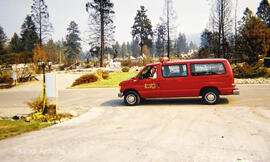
(16,117)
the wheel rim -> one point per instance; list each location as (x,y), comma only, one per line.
(131,99)
(210,97)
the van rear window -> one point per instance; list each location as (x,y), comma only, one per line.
(169,71)
(207,69)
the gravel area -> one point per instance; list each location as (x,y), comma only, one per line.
(253,81)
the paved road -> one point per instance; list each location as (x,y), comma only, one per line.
(169,130)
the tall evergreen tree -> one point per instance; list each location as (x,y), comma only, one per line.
(129,49)
(142,29)
(124,51)
(41,16)
(263,12)
(248,14)
(245,19)
(135,48)
(209,43)
(15,44)
(29,35)
(193,46)
(72,43)
(161,34)
(255,40)
(101,24)
(3,40)
(181,44)
(116,50)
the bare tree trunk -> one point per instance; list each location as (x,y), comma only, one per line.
(40,25)
(102,39)
(236,32)
(168,29)
(141,42)
(219,33)
(222,28)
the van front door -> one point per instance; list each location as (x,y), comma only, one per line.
(148,83)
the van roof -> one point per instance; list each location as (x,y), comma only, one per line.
(192,61)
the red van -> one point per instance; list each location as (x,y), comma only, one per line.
(208,78)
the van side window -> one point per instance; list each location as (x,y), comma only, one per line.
(207,69)
(169,71)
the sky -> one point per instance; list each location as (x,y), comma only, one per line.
(192,16)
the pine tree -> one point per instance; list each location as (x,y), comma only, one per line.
(161,34)
(72,43)
(135,48)
(255,40)
(52,50)
(245,19)
(209,43)
(248,14)
(142,29)
(263,12)
(193,46)
(3,40)
(101,24)
(129,49)
(40,17)
(15,44)
(29,35)
(124,51)
(116,50)
(181,44)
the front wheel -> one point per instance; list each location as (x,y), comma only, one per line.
(210,96)
(132,98)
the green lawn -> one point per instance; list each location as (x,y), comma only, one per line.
(10,128)
(113,81)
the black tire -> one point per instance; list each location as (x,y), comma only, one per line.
(210,96)
(132,98)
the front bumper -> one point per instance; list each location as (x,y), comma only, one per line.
(236,91)
(120,94)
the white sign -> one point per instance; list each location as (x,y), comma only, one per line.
(50,85)
(14,75)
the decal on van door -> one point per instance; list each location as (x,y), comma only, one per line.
(150,86)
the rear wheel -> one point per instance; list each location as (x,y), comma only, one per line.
(210,96)
(132,98)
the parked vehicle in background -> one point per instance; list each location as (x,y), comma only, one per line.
(208,78)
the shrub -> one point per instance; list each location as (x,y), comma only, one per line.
(250,71)
(102,74)
(5,78)
(127,63)
(125,69)
(37,104)
(87,78)
(105,75)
